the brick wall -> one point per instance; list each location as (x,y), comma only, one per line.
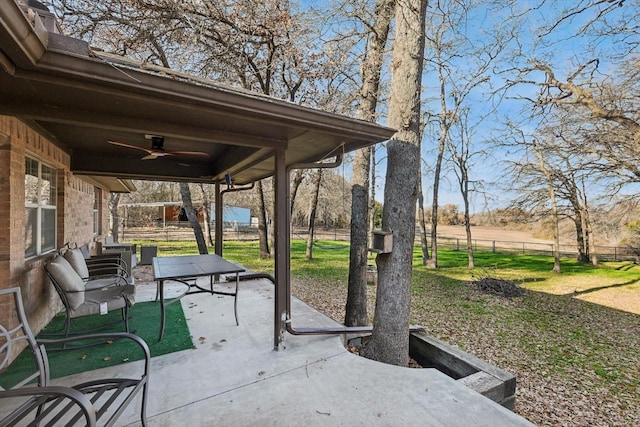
(74,211)
(6,156)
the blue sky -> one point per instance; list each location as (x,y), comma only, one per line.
(560,48)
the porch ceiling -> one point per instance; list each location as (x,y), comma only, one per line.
(81,99)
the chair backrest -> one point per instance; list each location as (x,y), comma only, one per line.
(66,281)
(85,251)
(77,261)
(13,337)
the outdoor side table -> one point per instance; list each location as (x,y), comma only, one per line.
(190,267)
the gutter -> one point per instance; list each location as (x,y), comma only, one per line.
(29,42)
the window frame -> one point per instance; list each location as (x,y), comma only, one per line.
(97,209)
(41,200)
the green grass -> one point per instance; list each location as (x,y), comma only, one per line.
(534,272)
(561,346)
(326,263)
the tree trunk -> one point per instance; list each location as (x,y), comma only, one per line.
(593,254)
(271,235)
(589,230)
(583,257)
(114,200)
(556,231)
(185,192)
(206,214)
(554,209)
(444,129)
(585,231)
(433,261)
(356,307)
(372,196)
(317,179)
(390,338)
(262,223)
(295,185)
(424,244)
(464,178)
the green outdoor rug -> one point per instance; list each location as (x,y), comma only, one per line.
(144,320)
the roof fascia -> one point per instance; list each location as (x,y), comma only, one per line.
(111,184)
(253,106)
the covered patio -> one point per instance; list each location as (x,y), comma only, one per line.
(80,99)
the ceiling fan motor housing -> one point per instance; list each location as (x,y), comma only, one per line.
(157,142)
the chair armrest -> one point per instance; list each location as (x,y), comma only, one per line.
(104,269)
(104,337)
(114,257)
(107,264)
(103,282)
(40,395)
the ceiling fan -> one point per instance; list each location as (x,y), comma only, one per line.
(157,149)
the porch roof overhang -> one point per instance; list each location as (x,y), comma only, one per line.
(80,99)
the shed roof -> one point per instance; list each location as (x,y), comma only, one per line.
(81,98)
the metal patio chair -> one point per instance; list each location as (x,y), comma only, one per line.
(42,404)
(82,298)
(97,269)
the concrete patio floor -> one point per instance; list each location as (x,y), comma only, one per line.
(233,377)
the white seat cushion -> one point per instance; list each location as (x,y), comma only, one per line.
(76,259)
(68,280)
(115,296)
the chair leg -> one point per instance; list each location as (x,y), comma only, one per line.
(67,324)
(67,327)
(235,303)
(125,314)
(67,330)
(65,333)
(143,409)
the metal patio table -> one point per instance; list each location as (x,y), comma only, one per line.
(185,268)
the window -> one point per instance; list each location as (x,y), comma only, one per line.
(97,203)
(40,204)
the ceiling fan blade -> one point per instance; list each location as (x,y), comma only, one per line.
(122,144)
(157,151)
(188,153)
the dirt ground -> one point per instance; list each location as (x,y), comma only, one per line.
(143,273)
(489,233)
